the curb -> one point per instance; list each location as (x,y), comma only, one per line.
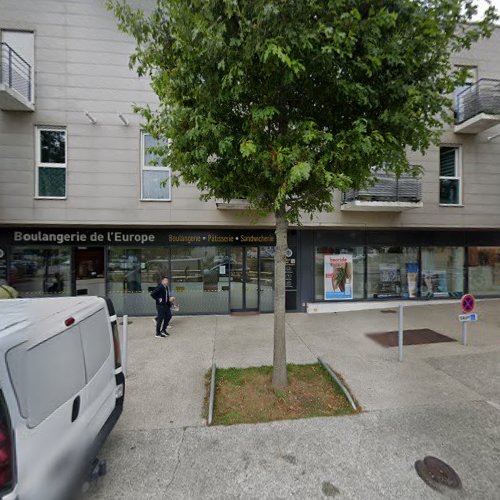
(212,396)
(344,389)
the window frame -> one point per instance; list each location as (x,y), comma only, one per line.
(39,164)
(458,175)
(153,168)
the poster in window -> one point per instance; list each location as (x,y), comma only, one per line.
(389,282)
(411,278)
(435,283)
(338,277)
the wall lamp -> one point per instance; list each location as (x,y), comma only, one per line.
(123,119)
(90,117)
(491,137)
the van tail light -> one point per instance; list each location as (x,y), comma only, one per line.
(116,345)
(6,452)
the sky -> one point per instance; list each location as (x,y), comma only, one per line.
(482,4)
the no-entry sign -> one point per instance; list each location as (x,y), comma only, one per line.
(468,303)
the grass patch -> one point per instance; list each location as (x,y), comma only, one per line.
(246,395)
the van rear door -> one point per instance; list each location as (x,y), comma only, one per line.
(100,391)
(49,384)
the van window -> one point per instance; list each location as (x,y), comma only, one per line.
(96,339)
(47,375)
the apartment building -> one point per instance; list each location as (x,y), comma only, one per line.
(82,211)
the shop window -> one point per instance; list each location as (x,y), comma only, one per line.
(51,160)
(266,270)
(450,189)
(37,272)
(339,273)
(131,276)
(484,270)
(155,177)
(392,272)
(442,272)
(199,278)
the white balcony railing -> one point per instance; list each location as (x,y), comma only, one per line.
(15,80)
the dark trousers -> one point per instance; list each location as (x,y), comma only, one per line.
(163,318)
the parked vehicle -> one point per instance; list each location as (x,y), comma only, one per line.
(61,392)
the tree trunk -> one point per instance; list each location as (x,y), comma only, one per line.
(279,356)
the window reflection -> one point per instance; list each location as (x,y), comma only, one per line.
(36,272)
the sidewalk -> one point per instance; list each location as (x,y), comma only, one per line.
(444,399)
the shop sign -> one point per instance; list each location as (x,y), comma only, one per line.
(139,237)
(3,265)
(338,277)
(290,270)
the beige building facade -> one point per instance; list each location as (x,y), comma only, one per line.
(82,210)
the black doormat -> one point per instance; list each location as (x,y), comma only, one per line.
(410,337)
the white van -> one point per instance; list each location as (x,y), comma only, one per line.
(61,392)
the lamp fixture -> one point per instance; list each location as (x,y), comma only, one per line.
(90,117)
(123,119)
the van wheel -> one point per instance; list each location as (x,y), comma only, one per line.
(103,468)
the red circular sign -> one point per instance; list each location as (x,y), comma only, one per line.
(468,303)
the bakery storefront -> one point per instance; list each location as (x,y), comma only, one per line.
(211,271)
(219,271)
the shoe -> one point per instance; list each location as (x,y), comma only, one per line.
(170,326)
(160,336)
(165,334)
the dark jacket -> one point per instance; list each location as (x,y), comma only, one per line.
(160,292)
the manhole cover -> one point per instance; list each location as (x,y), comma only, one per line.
(411,337)
(435,472)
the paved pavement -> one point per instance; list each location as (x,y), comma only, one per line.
(443,400)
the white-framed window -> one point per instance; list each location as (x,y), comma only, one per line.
(153,174)
(450,175)
(51,161)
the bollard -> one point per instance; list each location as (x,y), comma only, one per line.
(400,332)
(125,344)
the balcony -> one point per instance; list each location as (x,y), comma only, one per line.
(388,194)
(478,107)
(232,204)
(15,81)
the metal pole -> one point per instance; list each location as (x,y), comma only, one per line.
(400,332)
(212,395)
(464,333)
(125,344)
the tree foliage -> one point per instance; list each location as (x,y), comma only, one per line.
(280,101)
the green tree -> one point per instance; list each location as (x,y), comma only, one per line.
(283,101)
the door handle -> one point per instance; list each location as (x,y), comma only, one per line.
(76,409)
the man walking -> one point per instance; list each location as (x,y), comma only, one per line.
(163,299)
